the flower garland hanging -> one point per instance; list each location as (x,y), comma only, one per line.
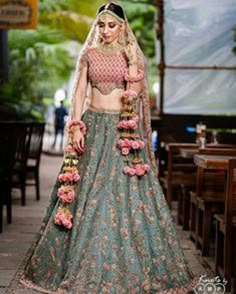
(130,142)
(69,178)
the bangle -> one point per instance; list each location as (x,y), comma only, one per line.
(136,78)
(74,124)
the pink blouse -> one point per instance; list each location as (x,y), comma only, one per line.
(106,71)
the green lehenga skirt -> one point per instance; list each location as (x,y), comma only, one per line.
(123,239)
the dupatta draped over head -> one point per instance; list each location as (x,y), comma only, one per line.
(125,37)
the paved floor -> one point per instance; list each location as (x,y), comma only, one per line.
(17,237)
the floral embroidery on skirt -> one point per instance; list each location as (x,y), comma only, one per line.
(123,238)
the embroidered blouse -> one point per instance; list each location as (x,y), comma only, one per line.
(106,71)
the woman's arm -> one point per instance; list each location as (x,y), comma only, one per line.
(78,102)
(80,94)
(135,74)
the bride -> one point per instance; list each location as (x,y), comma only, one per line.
(107,228)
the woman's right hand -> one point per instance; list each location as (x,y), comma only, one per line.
(78,140)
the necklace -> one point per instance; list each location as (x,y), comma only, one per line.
(110,47)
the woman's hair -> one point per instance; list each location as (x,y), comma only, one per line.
(115,8)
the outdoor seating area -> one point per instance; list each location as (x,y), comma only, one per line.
(202,181)
(20,152)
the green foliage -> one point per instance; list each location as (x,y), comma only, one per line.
(34,70)
(141,18)
(234,37)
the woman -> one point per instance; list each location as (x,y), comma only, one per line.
(108,228)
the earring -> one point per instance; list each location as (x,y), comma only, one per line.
(121,37)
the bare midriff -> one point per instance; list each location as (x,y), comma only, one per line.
(111,101)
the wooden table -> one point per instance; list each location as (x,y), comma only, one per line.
(213,149)
(212,161)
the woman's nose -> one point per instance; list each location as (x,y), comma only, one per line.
(105,29)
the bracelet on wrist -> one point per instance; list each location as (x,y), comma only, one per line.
(76,124)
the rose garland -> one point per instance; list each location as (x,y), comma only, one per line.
(68,178)
(130,142)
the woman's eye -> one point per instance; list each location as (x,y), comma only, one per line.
(112,25)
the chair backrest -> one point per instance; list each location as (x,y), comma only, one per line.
(24,131)
(36,141)
(8,143)
(230,203)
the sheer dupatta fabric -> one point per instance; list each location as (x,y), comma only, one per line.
(126,37)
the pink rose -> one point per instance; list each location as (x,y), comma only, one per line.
(141,144)
(121,143)
(132,124)
(57,219)
(76,176)
(63,217)
(125,151)
(126,124)
(61,177)
(139,169)
(135,145)
(66,223)
(126,169)
(66,194)
(129,171)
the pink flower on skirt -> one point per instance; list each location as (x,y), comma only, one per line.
(129,171)
(125,151)
(66,194)
(63,217)
(139,169)
(132,124)
(70,176)
(135,145)
(127,124)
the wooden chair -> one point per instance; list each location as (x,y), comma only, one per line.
(179,170)
(8,137)
(183,213)
(209,200)
(33,161)
(225,242)
(21,157)
(187,196)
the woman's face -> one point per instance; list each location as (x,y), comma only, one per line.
(109,28)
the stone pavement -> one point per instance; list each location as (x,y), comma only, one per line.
(17,237)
